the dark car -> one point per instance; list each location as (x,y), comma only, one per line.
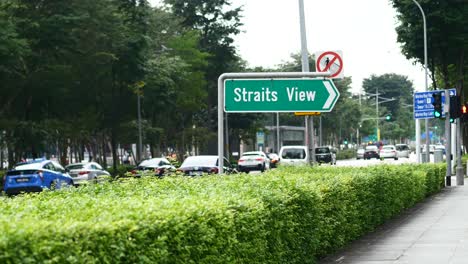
(274,159)
(198,165)
(371,152)
(36,175)
(325,155)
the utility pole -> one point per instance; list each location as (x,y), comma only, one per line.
(377,132)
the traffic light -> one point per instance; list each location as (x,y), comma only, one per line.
(464,112)
(437,103)
(455,110)
(388,117)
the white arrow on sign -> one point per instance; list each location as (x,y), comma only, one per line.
(331,97)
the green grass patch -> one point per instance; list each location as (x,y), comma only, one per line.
(288,215)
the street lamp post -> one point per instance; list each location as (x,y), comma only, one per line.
(418,126)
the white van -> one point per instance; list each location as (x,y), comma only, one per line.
(293,155)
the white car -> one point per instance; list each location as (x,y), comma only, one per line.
(403,150)
(294,155)
(86,171)
(360,153)
(253,160)
(388,151)
(160,166)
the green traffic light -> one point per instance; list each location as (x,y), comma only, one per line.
(388,117)
(437,114)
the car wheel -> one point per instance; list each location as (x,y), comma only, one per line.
(263,168)
(53,185)
(396,158)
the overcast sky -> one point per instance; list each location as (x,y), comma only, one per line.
(364,30)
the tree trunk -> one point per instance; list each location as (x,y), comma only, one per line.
(103,151)
(114,149)
(11,160)
(63,153)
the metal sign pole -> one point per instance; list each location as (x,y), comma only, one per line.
(448,143)
(459,169)
(305,68)
(278,147)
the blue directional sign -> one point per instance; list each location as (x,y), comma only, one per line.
(422,103)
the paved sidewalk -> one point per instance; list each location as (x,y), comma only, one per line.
(433,232)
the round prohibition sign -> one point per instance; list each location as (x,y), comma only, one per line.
(334,59)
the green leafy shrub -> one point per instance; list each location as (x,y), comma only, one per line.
(288,215)
(345,154)
(121,170)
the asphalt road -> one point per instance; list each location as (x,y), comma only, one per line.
(372,162)
(362,163)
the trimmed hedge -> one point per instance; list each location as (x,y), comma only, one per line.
(288,215)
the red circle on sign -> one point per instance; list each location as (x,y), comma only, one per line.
(336,56)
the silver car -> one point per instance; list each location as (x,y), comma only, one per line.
(403,150)
(360,153)
(86,172)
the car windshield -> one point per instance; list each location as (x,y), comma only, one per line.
(322,150)
(402,147)
(75,167)
(200,161)
(387,148)
(360,150)
(150,162)
(371,148)
(293,154)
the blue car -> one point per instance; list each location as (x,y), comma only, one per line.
(35,175)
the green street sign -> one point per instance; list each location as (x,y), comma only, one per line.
(279,95)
